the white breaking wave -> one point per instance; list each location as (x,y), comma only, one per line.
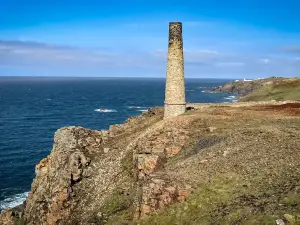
(105,110)
(143,110)
(231,98)
(136,107)
(13,201)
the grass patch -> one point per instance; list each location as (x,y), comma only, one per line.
(127,164)
(19,221)
(118,206)
(279,91)
(230,199)
(200,206)
(117,209)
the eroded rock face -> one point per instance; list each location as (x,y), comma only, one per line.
(152,151)
(7,217)
(89,171)
(13,216)
(49,199)
(159,192)
(148,163)
(112,177)
(85,167)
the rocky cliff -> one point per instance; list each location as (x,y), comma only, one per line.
(219,164)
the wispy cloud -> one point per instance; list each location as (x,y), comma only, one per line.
(40,54)
(211,49)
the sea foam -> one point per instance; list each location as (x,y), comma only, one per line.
(232,98)
(105,110)
(13,201)
(136,107)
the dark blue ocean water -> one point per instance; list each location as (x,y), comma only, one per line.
(32,109)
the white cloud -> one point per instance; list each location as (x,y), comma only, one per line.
(207,62)
(40,54)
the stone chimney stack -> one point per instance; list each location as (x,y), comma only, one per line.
(175,90)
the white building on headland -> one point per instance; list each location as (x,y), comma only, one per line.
(245,80)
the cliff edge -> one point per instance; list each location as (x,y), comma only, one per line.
(216,164)
(278,89)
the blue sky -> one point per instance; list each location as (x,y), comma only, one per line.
(222,39)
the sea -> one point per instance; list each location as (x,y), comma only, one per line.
(33,108)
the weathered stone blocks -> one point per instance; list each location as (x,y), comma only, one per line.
(175,91)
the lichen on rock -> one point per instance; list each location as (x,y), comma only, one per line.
(49,199)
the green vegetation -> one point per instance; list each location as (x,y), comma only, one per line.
(231,199)
(287,89)
(117,209)
(127,164)
(239,173)
(19,221)
(118,206)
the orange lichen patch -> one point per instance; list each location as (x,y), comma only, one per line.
(159,194)
(64,195)
(57,214)
(42,163)
(172,151)
(148,163)
(182,195)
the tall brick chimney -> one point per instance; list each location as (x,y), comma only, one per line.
(175,90)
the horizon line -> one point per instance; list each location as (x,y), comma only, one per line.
(108,77)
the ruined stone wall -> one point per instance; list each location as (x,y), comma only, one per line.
(175,90)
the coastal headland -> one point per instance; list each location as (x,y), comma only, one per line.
(228,163)
(273,88)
